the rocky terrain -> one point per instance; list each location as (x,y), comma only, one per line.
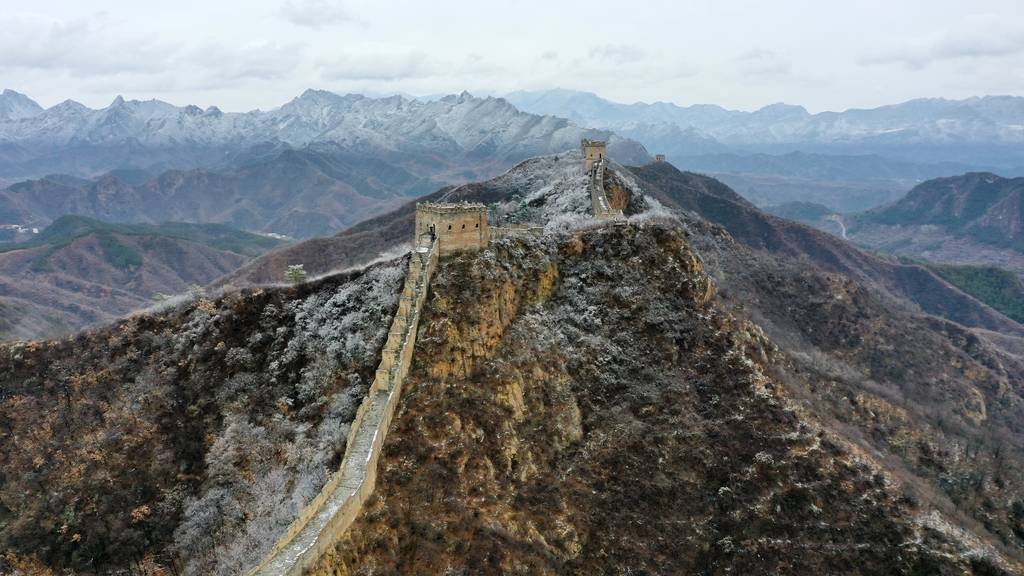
(703,388)
(81,272)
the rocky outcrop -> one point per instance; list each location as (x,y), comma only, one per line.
(584,406)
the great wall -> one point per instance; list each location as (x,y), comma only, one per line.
(441,229)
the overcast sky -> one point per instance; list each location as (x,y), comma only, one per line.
(823,54)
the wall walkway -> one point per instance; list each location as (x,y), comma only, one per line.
(599,205)
(330,514)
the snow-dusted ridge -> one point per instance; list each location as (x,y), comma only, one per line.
(456,123)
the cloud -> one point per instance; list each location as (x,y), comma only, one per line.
(384,66)
(981,38)
(97,51)
(315,14)
(264,61)
(82,47)
(765,63)
(618,53)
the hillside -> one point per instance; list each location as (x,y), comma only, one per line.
(974,218)
(80,272)
(996,287)
(702,388)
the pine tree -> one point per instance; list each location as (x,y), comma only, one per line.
(296,274)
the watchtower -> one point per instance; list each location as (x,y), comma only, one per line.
(593,151)
(457,227)
(659,157)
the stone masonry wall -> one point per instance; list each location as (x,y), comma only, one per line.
(342,497)
(598,200)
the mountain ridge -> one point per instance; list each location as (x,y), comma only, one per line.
(984,130)
(464,128)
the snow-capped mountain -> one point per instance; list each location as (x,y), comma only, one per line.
(147,134)
(15,106)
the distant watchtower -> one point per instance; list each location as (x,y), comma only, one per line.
(659,157)
(457,227)
(593,151)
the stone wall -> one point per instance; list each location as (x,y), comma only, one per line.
(342,497)
(599,204)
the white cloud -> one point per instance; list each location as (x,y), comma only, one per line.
(385,66)
(764,63)
(618,53)
(263,61)
(983,37)
(82,47)
(315,13)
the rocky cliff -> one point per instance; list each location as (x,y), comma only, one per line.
(586,406)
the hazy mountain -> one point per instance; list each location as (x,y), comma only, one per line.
(701,388)
(975,218)
(316,190)
(990,121)
(457,130)
(15,106)
(80,271)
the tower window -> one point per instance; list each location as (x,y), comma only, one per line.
(463,226)
(477,225)
(449,226)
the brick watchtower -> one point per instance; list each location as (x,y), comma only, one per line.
(593,151)
(457,226)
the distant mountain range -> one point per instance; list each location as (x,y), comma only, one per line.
(987,130)
(80,271)
(316,190)
(452,134)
